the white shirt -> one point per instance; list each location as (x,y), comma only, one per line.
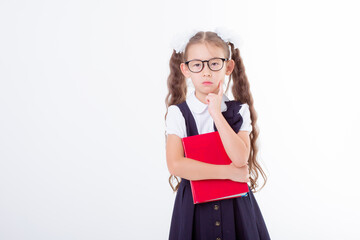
(175,122)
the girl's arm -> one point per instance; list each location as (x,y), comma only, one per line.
(236,145)
(188,168)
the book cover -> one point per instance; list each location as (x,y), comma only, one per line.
(208,148)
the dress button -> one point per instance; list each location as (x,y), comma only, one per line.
(216,207)
(217,223)
(218,238)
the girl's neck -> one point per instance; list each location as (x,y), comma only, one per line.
(201,97)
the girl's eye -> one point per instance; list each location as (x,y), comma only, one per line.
(197,65)
(214,64)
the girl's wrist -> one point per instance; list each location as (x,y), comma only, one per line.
(217,116)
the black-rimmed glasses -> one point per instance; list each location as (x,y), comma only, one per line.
(215,64)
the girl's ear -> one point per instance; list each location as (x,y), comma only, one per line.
(185,70)
(230,66)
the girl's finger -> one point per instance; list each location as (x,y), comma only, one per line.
(220,88)
(207,99)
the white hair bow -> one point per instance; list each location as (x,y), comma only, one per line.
(180,40)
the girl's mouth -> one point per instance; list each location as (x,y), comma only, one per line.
(207,83)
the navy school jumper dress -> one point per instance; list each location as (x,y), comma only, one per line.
(227,219)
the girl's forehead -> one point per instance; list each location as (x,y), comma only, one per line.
(204,51)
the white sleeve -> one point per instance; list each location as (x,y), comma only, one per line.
(245,114)
(175,122)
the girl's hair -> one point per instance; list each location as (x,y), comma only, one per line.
(177,86)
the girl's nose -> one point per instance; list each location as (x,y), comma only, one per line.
(206,70)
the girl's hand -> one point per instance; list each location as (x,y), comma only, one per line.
(239,174)
(214,101)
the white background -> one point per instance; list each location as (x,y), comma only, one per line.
(82,106)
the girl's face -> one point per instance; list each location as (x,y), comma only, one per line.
(204,51)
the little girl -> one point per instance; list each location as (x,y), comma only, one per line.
(206,59)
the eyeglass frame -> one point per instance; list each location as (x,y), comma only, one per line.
(203,65)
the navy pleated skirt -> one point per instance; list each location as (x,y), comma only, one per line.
(227,219)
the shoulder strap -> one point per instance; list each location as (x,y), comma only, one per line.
(191,128)
(232,115)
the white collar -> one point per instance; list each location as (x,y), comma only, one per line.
(198,107)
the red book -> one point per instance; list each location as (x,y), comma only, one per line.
(208,148)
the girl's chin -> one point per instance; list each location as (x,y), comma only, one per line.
(208,86)
(206,92)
